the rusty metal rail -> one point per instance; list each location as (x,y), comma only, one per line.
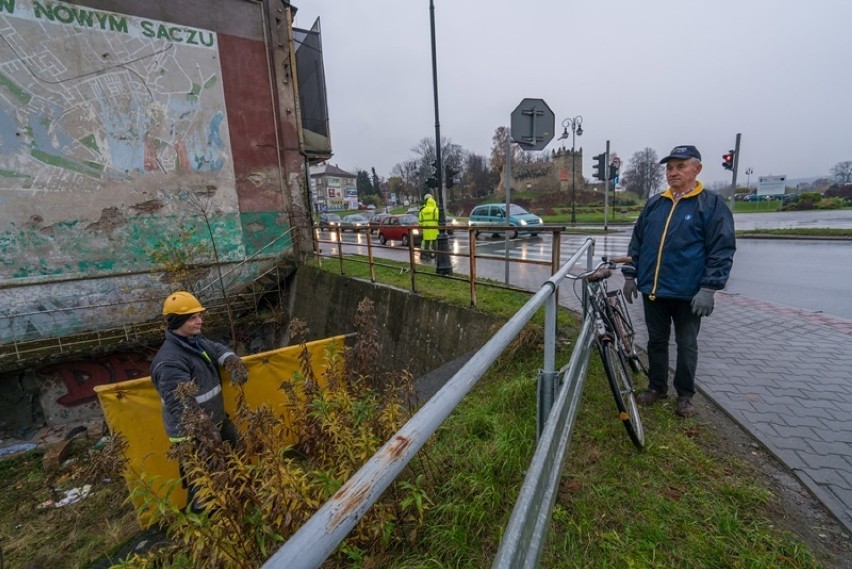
(329,526)
(415,269)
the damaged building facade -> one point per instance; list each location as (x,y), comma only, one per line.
(144,147)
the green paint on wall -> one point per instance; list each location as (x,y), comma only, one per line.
(12,174)
(90,142)
(16,91)
(144,242)
(261,228)
(60,162)
(192,96)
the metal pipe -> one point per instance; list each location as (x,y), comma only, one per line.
(525,533)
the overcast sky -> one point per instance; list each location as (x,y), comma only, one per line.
(653,73)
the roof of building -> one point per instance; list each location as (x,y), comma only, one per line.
(330,170)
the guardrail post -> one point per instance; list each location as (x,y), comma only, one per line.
(547,374)
(472,261)
(370,255)
(339,234)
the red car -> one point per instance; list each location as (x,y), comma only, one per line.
(399,228)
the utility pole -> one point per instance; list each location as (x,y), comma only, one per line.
(606,189)
(736,165)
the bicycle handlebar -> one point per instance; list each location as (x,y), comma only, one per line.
(603,270)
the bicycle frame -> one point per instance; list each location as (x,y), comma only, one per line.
(615,343)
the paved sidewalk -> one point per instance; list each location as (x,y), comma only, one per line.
(785,375)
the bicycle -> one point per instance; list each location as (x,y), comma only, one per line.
(615,339)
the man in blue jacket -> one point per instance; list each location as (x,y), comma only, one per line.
(682,249)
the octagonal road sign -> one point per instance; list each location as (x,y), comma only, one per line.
(532,124)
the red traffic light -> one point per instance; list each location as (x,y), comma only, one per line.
(728,160)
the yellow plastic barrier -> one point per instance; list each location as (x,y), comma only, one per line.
(133,409)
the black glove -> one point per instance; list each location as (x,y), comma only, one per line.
(237,369)
(702,303)
(630,289)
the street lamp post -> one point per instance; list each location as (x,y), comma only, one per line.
(443,265)
(576,126)
(749,172)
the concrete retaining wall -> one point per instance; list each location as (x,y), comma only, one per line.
(417,334)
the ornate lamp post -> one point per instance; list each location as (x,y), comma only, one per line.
(576,126)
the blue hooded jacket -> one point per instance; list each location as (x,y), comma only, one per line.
(680,247)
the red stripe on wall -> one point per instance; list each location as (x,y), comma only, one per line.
(251,123)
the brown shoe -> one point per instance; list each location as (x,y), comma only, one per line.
(685,408)
(649,396)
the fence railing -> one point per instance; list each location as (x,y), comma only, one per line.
(417,270)
(524,537)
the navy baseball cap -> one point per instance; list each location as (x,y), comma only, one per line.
(682,152)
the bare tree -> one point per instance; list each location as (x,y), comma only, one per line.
(498,152)
(477,180)
(842,172)
(644,173)
(409,172)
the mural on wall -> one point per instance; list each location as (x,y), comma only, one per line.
(79,378)
(92,95)
(104,119)
(66,390)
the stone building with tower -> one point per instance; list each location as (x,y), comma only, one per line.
(552,175)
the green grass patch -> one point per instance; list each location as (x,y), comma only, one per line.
(799,232)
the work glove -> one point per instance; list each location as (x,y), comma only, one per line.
(630,289)
(702,303)
(237,369)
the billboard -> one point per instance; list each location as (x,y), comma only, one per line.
(771,185)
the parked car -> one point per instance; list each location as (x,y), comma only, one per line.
(328,221)
(399,228)
(376,220)
(495,214)
(354,222)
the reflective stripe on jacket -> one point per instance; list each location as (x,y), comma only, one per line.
(177,362)
(679,247)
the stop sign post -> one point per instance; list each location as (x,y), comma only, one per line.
(532,124)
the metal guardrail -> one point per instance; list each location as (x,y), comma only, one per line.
(329,526)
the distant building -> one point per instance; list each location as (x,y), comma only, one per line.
(332,188)
(553,174)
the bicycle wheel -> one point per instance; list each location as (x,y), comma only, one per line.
(621,384)
(624,328)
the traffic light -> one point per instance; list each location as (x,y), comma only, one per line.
(432,181)
(600,167)
(449,176)
(613,172)
(728,158)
